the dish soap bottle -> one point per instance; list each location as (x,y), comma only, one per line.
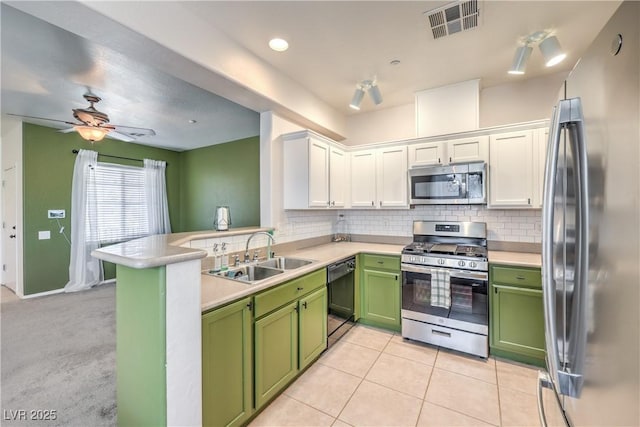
(216,258)
(224,259)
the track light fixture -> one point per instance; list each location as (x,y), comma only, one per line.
(549,46)
(372,88)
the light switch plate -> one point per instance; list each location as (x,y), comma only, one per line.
(44,235)
(56,213)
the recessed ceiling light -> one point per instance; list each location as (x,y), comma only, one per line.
(279,45)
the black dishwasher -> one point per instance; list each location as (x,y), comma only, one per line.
(340,290)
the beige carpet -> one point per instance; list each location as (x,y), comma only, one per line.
(58,354)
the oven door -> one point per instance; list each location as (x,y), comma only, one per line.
(469,302)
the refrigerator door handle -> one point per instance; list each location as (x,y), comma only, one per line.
(567,115)
(544,381)
(548,287)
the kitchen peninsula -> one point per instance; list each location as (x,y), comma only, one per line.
(160,296)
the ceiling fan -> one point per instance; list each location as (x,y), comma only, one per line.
(94,125)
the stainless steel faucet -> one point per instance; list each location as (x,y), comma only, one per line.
(246,249)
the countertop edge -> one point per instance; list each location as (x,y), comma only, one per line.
(518,259)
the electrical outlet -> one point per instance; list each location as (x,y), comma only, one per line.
(56,213)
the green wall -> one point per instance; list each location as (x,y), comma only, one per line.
(48,171)
(197,182)
(221,175)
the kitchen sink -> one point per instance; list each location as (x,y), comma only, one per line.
(285,263)
(247,273)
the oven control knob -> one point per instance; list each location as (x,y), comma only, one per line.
(461,263)
(473,264)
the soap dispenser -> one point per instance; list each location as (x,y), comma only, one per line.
(224,262)
(216,258)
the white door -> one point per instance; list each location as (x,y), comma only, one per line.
(337,177)
(9,231)
(363,178)
(318,174)
(392,177)
(511,169)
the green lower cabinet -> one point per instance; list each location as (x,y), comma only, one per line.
(312,326)
(276,352)
(227,362)
(517,315)
(380,296)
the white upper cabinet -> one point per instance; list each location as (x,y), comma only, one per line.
(379,178)
(511,169)
(468,150)
(337,177)
(391,180)
(314,172)
(461,150)
(363,179)
(426,154)
(540,138)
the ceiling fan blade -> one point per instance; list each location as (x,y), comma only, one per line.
(67,130)
(135,130)
(120,136)
(43,118)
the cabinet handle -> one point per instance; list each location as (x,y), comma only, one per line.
(249,306)
(373,203)
(450,160)
(520,277)
(444,334)
(333,203)
(396,277)
(495,290)
(439,160)
(304,304)
(380,262)
(528,201)
(380,203)
(301,289)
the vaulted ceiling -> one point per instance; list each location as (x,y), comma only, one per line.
(161,64)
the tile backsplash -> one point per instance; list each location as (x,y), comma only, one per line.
(514,225)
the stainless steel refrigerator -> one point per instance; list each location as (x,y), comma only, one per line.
(590,242)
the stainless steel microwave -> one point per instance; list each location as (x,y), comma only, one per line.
(464,184)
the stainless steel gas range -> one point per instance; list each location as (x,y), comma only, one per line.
(445,276)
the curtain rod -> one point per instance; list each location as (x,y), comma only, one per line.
(74,151)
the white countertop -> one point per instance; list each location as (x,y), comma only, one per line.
(163,249)
(217,291)
(521,259)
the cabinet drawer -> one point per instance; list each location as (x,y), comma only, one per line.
(282,294)
(530,277)
(381,262)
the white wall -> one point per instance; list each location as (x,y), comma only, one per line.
(524,101)
(516,102)
(11,149)
(388,124)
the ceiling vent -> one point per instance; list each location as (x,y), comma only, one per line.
(454,18)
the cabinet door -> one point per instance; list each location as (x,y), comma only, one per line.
(392,177)
(227,378)
(363,178)
(276,352)
(337,177)
(318,173)
(517,320)
(381,298)
(541,137)
(313,326)
(468,150)
(511,169)
(426,154)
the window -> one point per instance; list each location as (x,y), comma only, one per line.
(120,203)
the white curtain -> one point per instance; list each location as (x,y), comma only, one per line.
(156,189)
(85,271)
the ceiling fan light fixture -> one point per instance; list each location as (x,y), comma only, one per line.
(92,133)
(520,60)
(551,50)
(357,98)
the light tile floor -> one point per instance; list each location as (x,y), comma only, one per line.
(375,378)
